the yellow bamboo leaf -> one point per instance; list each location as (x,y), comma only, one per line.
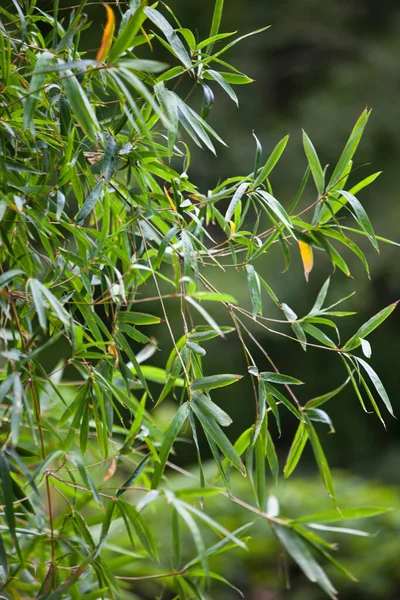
(108,34)
(170,200)
(307,257)
(233,228)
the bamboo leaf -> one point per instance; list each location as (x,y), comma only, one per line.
(300,553)
(214,381)
(90,202)
(276,208)
(307,257)
(132,478)
(35,86)
(216,433)
(140,526)
(172,37)
(315,165)
(236,198)
(296,450)
(213,410)
(80,105)
(315,402)
(169,438)
(369,326)
(350,148)
(108,34)
(331,516)
(377,383)
(273,377)
(321,461)
(271,162)
(253,282)
(361,217)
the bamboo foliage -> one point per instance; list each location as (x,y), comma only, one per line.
(99,216)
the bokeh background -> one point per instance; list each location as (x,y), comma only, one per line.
(316,68)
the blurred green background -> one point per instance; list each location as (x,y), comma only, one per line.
(316,68)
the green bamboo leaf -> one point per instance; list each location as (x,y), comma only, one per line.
(140,526)
(164,244)
(134,333)
(348,243)
(296,450)
(261,409)
(276,208)
(195,532)
(214,381)
(316,414)
(215,432)
(16,410)
(105,525)
(271,162)
(110,160)
(80,105)
(206,316)
(333,254)
(224,84)
(300,553)
(260,478)
(198,492)
(176,540)
(321,461)
(90,202)
(364,183)
(127,35)
(315,402)
(315,165)
(254,286)
(258,154)
(236,198)
(132,478)
(377,384)
(338,565)
(272,458)
(361,216)
(216,19)
(221,465)
(168,101)
(212,409)
(300,191)
(369,326)
(281,398)
(123,343)
(35,88)
(7,277)
(331,516)
(349,149)
(222,545)
(174,41)
(335,529)
(214,297)
(273,377)
(318,335)
(169,438)
(41,294)
(86,478)
(213,524)
(138,318)
(3,557)
(8,497)
(39,303)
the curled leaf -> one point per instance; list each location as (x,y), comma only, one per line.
(108,34)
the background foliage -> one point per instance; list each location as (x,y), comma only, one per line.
(80,229)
